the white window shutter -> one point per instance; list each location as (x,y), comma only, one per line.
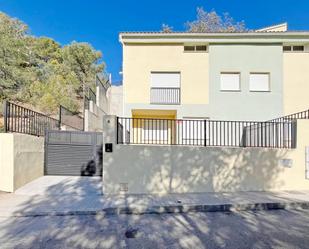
(165,80)
(230,81)
(259,82)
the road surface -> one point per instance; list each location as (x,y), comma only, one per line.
(260,229)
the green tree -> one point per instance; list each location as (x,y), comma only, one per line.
(39,71)
(84,62)
(14,55)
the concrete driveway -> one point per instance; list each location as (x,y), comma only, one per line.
(54,194)
(63,195)
(62,185)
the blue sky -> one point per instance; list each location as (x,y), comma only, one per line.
(99,22)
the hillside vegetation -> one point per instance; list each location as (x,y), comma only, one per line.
(42,73)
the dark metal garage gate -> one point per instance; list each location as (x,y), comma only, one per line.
(73,153)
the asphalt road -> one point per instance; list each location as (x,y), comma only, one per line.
(262,229)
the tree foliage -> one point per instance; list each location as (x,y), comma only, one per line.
(208,22)
(166,28)
(40,71)
(83,60)
(13,55)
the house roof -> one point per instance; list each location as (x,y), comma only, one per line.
(276,33)
(181,37)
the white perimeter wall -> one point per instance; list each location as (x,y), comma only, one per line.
(182,169)
(93,118)
(21,160)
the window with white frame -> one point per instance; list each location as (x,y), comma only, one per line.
(230,81)
(165,88)
(156,131)
(194,131)
(259,82)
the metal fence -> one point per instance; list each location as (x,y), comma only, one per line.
(92,96)
(106,84)
(71,119)
(23,120)
(298,115)
(206,132)
(86,103)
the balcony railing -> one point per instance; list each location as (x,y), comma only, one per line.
(165,96)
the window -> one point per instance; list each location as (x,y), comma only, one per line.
(298,48)
(156,131)
(165,88)
(193,131)
(230,81)
(165,79)
(201,48)
(287,48)
(259,82)
(189,48)
(197,48)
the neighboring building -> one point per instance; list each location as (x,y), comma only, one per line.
(107,99)
(257,75)
(97,104)
(115,97)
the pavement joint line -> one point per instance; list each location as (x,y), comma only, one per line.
(161,209)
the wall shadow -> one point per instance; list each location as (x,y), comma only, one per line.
(166,174)
(270,229)
(176,169)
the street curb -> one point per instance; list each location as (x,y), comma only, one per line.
(207,208)
(186,208)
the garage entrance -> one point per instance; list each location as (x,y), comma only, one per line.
(73,153)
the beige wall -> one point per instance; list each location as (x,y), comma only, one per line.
(21,160)
(93,118)
(115,97)
(296,82)
(6,162)
(140,60)
(179,169)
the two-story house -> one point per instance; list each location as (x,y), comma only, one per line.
(257,75)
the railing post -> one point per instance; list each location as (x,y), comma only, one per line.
(5,115)
(294,136)
(60,114)
(244,136)
(117,128)
(205,131)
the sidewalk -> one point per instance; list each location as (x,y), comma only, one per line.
(70,204)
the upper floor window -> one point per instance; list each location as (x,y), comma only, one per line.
(230,82)
(259,82)
(165,88)
(298,48)
(195,48)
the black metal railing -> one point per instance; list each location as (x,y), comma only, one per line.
(206,132)
(160,95)
(298,115)
(71,119)
(106,84)
(92,96)
(86,103)
(23,120)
